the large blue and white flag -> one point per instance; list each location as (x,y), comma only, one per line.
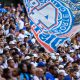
(51,21)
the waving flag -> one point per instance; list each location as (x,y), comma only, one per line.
(51,21)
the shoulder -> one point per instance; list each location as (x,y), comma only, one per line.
(49,75)
(3,79)
(35,78)
(67,77)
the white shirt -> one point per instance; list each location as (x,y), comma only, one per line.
(79,55)
(21,24)
(7,32)
(21,37)
(4,65)
(60,59)
(69,58)
(27,33)
(35,78)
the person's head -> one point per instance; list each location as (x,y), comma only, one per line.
(16,57)
(53,70)
(72,73)
(64,58)
(7,26)
(73,55)
(30,68)
(9,38)
(0,27)
(19,5)
(7,73)
(1,59)
(68,65)
(11,21)
(13,50)
(12,30)
(56,63)
(1,45)
(35,57)
(15,73)
(40,59)
(1,38)
(67,49)
(23,47)
(59,49)
(49,62)
(27,59)
(60,75)
(61,67)
(42,65)
(57,55)
(12,44)
(27,25)
(1,71)
(75,66)
(77,51)
(39,72)
(6,52)
(18,44)
(11,63)
(21,31)
(22,67)
(26,39)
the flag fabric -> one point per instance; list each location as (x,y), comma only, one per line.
(52,21)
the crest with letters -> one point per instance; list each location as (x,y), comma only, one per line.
(50,21)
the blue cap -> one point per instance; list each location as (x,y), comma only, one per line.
(41,64)
(29,41)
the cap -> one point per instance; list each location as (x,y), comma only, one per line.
(35,55)
(33,40)
(41,64)
(52,54)
(11,42)
(53,57)
(26,36)
(62,71)
(27,57)
(57,54)
(76,47)
(61,66)
(71,51)
(7,47)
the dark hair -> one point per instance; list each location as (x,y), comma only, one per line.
(5,73)
(15,53)
(64,56)
(8,61)
(6,25)
(6,70)
(67,64)
(20,67)
(22,45)
(39,59)
(9,38)
(41,49)
(72,70)
(29,66)
(1,36)
(51,67)
(5,50)
(16,50)
(20,30)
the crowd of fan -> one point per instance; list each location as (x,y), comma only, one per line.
(22,57)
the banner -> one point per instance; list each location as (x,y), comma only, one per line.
(52,21)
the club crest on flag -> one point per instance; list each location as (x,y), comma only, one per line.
(49,20)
